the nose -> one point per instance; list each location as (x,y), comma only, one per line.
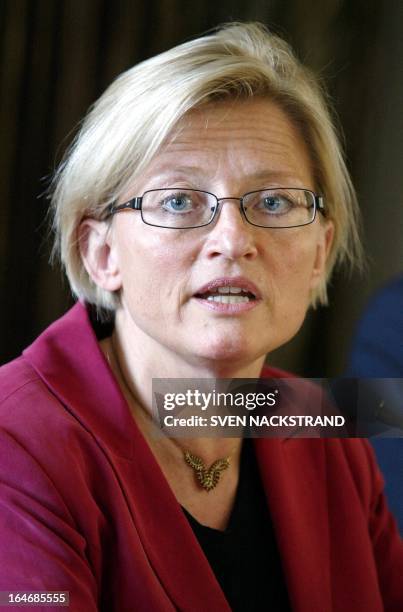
(231,236)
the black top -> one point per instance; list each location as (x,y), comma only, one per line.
(245,557)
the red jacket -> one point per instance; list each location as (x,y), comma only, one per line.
(85,507)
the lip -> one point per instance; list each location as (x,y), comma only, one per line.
(231,281)
(227,281)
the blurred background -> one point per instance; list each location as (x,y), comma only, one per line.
(58,56)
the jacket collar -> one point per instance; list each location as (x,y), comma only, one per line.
(69,360)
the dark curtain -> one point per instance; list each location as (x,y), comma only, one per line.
(58,56)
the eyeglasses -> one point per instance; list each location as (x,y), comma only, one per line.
(176,208)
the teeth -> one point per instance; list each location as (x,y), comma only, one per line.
(229,289)
(228,299)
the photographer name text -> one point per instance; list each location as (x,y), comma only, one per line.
(250,420)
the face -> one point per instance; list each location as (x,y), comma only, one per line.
(164,275)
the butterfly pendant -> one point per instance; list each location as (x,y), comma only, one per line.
(208,477)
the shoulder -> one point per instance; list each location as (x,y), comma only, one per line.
(14,376)
(39,435)
(27,405)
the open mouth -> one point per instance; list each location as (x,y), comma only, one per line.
(227,295)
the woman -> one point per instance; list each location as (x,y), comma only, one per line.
(198,214)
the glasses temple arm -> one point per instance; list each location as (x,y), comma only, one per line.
(320,204)
(133,204)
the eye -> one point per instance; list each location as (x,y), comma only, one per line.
(177,203)
(276,204)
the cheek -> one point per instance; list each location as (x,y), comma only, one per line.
(153,267)
(292,263)
(289,280)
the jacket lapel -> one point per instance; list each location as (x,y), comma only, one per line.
(168,540)
(293,473)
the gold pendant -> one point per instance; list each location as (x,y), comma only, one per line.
(208,478)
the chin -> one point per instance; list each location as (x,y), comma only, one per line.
(228,351)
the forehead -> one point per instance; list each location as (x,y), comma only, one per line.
(255,139)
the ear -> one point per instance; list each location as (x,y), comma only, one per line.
(98,254)
(322,252)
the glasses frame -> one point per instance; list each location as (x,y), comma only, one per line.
(136,204)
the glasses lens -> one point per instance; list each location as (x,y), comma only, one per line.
(178,208)
(280,207)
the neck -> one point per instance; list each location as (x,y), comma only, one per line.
(141,359)
(136,360)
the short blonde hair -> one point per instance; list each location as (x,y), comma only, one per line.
(126,127)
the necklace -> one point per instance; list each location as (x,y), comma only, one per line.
(207,478)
